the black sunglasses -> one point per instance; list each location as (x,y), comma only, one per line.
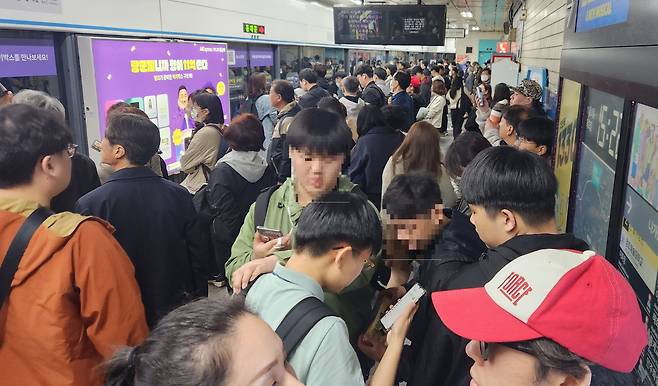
(485,348)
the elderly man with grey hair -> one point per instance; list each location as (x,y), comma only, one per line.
(84,177)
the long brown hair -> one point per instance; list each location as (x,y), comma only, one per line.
(420,150)
(256,85)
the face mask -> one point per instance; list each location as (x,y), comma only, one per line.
(194,114)
(455,186)
(484,78)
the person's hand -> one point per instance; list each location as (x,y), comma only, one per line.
(250,271)
(264,247)
(373,346)
(398,332)
(395,293)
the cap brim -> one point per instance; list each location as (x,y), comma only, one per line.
(472,314)
(517,89)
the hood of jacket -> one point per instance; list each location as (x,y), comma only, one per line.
(249,164)
(351,106)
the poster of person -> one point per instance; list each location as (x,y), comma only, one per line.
(643,173)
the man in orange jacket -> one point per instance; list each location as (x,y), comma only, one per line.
(73,299)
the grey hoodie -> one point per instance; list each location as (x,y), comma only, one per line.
(353,108)
(250,165)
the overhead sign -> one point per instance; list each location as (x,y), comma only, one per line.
(27,57)
(249,28)
(594,14)
(455,33)
(44,6)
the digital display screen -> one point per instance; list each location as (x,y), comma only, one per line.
(253,28)
(596,168)
(399,24)
(157,77)
(27,57)
(639,233)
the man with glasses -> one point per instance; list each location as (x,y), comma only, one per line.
(72,297)
(371,92)
(536,135)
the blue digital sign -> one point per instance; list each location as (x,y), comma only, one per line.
(594,14)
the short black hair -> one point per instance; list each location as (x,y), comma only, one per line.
(285,89)
(370,117)
(321,70)
(515,114)
(395,116)
(380,72)
(391,68)
(340,74)
(462,151)
(209,101)
(351,84)
(437,68)
(403,79)
(332,104)
(319,131)
(338,217)
(503,177)
(363,69)
(308,75)
(138,135)
(539,130)
(411,195)
(416,70)
(28,133)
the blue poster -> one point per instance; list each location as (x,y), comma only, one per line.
(594,14)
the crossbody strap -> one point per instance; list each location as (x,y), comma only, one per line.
(300,320)
(17,249)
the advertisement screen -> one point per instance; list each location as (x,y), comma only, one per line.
(27,57)
(594,14)
(157,77)
(639,233)
(565,149)
(596,168)
(423,25)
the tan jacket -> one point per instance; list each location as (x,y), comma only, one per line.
(74,300)
(202,150)
(448,195)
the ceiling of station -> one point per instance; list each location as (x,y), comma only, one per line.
(488,15)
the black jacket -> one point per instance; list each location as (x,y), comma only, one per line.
(278,152)
(84,179)
(369,158)
(373,95)
(312,97)
(324,83)
(157,226)
(441,359)
(426,92)
(229,197)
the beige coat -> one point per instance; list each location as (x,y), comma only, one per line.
(202,150)
(447,192)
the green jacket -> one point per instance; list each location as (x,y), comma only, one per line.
(283,211)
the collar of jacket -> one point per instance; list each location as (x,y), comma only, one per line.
(523,244)
(286,109)
(288,197)
(132,173)
(381,130)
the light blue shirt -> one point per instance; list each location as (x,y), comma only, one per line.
(324,357)
(267,116)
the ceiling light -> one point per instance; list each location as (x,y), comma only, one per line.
(475,28)
(467,14)
(357,2)
(318,4)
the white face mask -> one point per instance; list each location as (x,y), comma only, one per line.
(455,186)
(484,78)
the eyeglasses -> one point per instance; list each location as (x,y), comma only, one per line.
(485,348)
(71,149)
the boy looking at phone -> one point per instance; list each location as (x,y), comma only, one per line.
(335,238)
(319,141)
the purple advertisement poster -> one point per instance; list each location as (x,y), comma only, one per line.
(240,56)
(157,77)
(27,57)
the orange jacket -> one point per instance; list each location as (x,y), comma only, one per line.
(73,301)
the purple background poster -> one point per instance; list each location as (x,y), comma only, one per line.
(240,55)
(27,57)
(157,77)
(261,56)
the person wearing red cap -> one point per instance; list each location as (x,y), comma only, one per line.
(523,329)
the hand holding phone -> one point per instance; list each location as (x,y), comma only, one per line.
(271,234)
(412,297)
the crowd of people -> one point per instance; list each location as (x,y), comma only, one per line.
(317,207)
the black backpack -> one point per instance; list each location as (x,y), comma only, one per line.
(249,106)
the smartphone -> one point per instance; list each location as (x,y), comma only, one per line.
(96,145)
(412,297)
(480,97)
(269,233)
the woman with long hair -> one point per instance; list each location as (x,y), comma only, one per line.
(420,153)
(206,145)
(454,96)
(258,103)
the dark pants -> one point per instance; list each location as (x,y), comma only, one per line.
(457,117)
(222,252)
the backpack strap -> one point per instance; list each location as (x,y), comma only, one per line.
(262,202)
(300,320)
(17,249)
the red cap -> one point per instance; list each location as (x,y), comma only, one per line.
(415,82)
(577,299)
